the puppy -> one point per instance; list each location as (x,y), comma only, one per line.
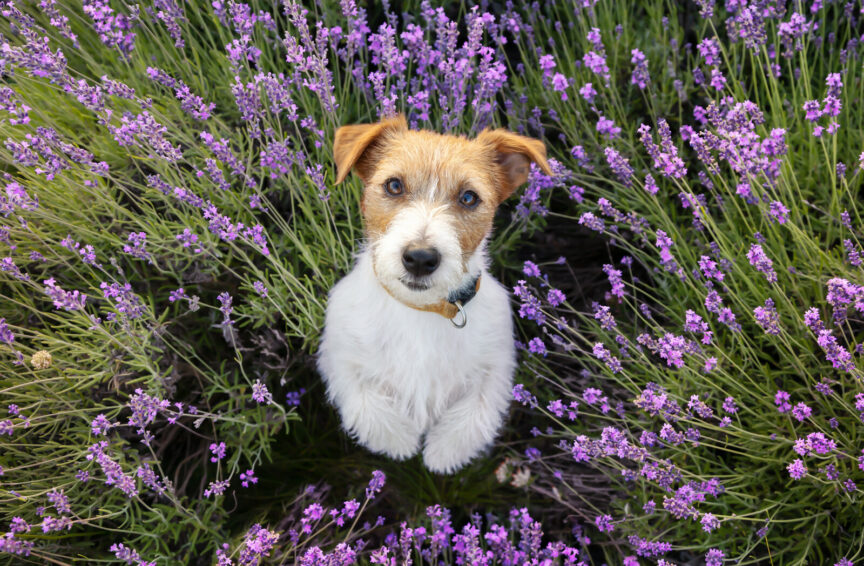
(418,343)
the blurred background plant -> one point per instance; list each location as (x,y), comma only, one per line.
(687,285)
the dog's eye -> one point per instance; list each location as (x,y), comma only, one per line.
(394,187)
(469,199)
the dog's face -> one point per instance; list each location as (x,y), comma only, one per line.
(429,199)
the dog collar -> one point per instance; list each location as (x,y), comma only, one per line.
(454,304)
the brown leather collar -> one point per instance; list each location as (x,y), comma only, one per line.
(447,308)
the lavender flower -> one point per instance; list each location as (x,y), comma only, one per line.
(114,29)
(640,76)
(797,469)
(136,246)
(67,300)
(260,393)
(620,166)
(218,451)
(602,354)
(767,318)
(615,280)
(762,262)
(247,478)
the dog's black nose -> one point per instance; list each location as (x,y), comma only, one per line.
(421,261)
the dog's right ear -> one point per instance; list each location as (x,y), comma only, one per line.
(354,146)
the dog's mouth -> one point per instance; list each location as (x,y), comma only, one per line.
(414,285)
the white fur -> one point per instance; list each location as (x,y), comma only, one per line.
(420,222)
(402,378)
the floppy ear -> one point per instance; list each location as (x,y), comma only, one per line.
(352,144)
(514,154)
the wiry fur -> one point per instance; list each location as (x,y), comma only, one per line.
(395,372)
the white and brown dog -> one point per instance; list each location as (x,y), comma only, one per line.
(418,338)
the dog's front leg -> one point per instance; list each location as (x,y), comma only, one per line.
(466,428)
(370,415)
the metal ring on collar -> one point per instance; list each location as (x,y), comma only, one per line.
(464,316)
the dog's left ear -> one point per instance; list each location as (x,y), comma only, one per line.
(351,145)
(514,156)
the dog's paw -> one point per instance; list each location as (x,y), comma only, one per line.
(395,438)
(446,455)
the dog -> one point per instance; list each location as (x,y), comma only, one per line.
(418,343)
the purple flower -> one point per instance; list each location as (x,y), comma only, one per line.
(292,398)
(604,523)
(248,477)
(547,64)
(801,412)
(797,469)
(67,300)
(127,303)
(606,127)
(651,185)
(602,354)
(767,318)
(114,474)
(781,400)
(640,76)
(376,484)
(260,393)
(778,212)
(126,554)
(709,49)
(114,29)
(225,308)
(665,155)
(718,81)
(148,134)
(260,288)
(620,166)
(814,443)
(257,543)
(135,247)
(714,557)
(813,110)
(762,262)
(218,451)
(603,314)
(615,280)
(588,93)
(839,356)
(530,269)
(555,297)
(177,294)
(536,346)
(101,425)
(592,222)
(709,522)
(216,488)
(560,84)
(170,14)
(188,239)
(596,63)
(6,335)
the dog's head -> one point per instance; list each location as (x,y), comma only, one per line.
(429,199)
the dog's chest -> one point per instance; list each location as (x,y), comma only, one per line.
(418,358)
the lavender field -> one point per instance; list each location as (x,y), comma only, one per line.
(687,287)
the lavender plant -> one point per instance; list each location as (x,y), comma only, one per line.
(716,378)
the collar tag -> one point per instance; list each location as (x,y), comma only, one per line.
(464,320)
